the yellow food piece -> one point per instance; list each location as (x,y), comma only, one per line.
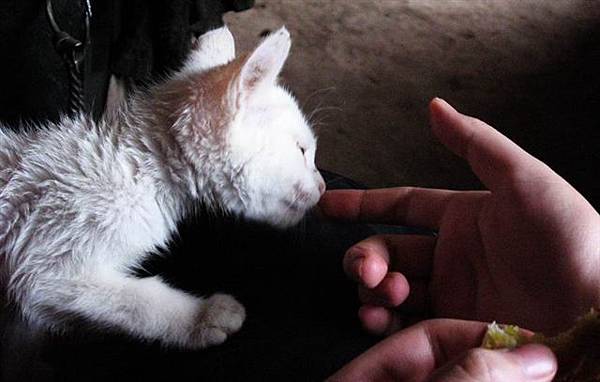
(577,350)
(502,337)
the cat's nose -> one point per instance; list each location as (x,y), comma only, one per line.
(320,182)
(321,186)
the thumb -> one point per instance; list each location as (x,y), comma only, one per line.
(528,363)
(494,158)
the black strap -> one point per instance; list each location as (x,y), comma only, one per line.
(73,52)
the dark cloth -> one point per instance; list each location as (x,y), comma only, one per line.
(153,36)
(134,39)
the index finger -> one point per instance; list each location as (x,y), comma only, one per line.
(495,159)
(416,207)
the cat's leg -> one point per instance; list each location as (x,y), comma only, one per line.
(214,48)
(147,308)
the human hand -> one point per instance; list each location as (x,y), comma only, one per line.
(526,252)
(447,350)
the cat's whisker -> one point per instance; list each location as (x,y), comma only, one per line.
(322,109)
(317,118)
(326,108)
(317,125)
(316,107)
(317,92)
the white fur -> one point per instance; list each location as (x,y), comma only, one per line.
(82,203)
(214,48)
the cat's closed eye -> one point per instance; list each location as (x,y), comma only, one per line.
(302,149)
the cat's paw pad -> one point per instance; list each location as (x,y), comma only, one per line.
(221,316)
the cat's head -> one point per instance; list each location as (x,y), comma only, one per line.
(247,134)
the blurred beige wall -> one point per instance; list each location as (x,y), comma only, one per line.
(370,67)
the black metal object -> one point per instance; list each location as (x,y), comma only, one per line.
(73,52)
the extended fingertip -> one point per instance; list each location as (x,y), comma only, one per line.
(438,109)
(339,204)
(324,200)
(438,102)
(449,126)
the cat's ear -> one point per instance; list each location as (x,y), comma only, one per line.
(212,49)
(265,63)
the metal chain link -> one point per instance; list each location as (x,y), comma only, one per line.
(73,53)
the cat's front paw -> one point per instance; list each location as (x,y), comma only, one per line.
(221,316)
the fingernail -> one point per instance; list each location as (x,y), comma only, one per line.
(356,263)
(537,361)
(443,103)
(433,114)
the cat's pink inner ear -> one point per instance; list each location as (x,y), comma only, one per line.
(265,63)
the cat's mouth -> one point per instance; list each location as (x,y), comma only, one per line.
(289,213)
(296,207)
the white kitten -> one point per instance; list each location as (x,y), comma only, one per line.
(81,203)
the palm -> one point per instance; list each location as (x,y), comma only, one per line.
(504,255)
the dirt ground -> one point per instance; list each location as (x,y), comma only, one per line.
(367,69)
